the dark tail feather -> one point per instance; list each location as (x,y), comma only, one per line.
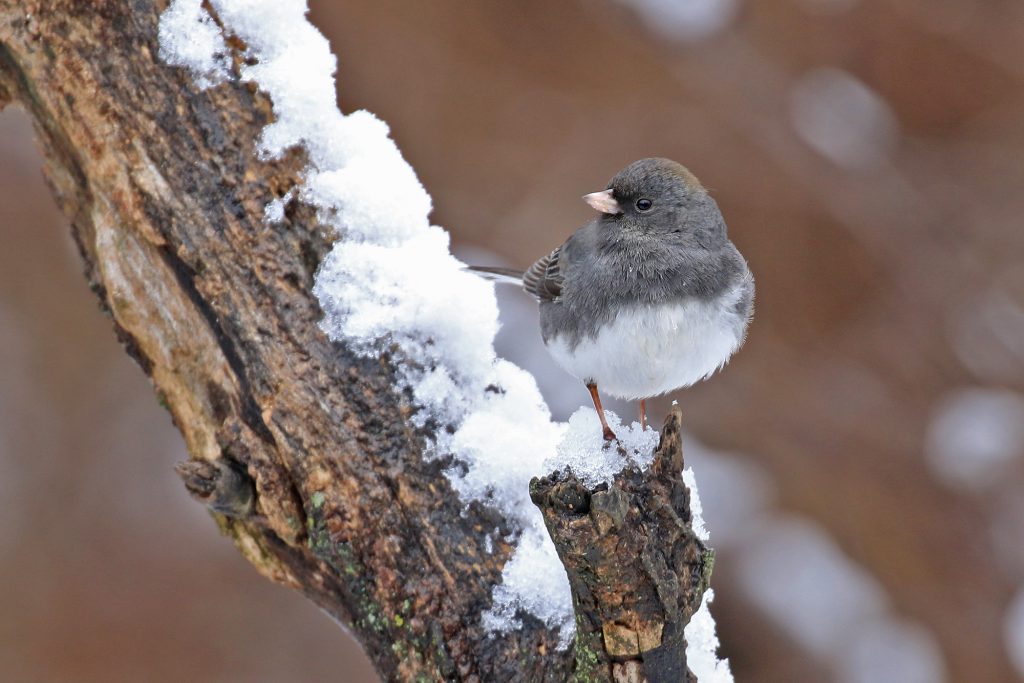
(509,276)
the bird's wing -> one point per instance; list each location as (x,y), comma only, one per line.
(544,278)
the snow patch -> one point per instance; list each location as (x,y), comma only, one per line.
(702,644)
(696,509)
(190,38)
(534,581)
(594,460)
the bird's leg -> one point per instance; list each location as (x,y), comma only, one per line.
(609,435)
(643,414)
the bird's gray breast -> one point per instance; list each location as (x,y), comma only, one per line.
(599,285)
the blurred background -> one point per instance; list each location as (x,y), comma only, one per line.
(861,460)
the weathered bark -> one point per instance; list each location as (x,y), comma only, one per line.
(302,450)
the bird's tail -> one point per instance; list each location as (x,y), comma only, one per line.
(508,276)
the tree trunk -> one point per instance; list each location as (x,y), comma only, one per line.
(301,449)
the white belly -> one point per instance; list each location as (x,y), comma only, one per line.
(650,350)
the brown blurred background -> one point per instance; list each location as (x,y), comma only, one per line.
(861,460)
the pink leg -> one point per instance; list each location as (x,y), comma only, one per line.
(609,435)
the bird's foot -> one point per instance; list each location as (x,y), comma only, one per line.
(609,435)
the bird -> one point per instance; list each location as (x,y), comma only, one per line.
(650,296)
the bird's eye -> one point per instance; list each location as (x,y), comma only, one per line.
(644,204)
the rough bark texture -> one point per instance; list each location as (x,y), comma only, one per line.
(302,450)
(636,568)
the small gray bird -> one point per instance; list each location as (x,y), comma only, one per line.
(649,297)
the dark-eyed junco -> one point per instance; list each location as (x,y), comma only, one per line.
(649,297)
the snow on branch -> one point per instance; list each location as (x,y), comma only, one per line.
(390,282)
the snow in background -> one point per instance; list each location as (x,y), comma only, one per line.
(823,592)
(1013,631)
(975,443)
(986,332)
(585,439)
(798,577)
(685,20)
(841,118)
(390,281)
(975,436)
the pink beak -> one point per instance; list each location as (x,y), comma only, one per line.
(603,202)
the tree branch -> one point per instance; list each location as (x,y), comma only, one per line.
(302,450)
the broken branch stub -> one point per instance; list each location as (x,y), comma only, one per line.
(636,567)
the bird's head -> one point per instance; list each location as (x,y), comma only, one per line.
(658,197)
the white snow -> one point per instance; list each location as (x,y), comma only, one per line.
(274,210)
(696,509)
(391,284)
(702,644)
(594,460)
(534,581)
(701,639)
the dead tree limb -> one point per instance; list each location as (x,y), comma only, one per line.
(637,570)
(301,449)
